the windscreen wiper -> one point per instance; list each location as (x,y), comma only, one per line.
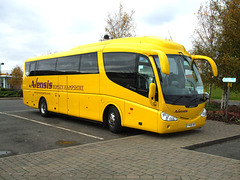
(181,97)
(181,54)
(195,101)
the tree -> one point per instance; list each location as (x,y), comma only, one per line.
(205,41)
(120,24)
(16,80)
(218,36)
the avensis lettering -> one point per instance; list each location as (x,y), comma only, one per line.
(49,85)
(44,85)
(181,111)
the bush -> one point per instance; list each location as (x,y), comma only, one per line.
(10,93)
(213,106)
(215,113)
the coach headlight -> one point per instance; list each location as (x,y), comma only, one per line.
(204,113)
(167,117)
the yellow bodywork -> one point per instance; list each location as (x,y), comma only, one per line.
(88,95)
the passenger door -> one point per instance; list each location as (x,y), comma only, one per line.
(137,115)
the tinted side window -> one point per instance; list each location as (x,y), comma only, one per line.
(89,63)
(145,75)
(32,68)
(68,65)
(46,67)
(27,66)
(132,71)
(121,69)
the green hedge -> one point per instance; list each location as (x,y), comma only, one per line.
(10,93)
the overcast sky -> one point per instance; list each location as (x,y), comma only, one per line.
(31,28)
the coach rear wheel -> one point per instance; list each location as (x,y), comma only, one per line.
(43,108)
(114,120)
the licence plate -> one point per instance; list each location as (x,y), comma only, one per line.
(191,125)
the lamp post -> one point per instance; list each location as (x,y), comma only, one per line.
(0,66)
(0,74)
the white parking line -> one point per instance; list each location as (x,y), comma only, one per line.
(50,125)
(18,111)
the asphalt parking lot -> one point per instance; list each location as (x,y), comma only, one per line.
(24,130)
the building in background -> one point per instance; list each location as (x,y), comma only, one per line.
(4,77)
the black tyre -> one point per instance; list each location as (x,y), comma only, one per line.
(114,120)
(43,108)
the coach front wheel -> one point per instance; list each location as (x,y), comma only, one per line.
(114,120)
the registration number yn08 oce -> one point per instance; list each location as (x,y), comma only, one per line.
(191,125)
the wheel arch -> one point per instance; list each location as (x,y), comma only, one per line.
(105,113)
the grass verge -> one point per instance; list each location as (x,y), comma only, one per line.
(217,93)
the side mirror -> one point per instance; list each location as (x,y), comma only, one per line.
(206,96)
(152,94)
(163,61)
(211,62)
